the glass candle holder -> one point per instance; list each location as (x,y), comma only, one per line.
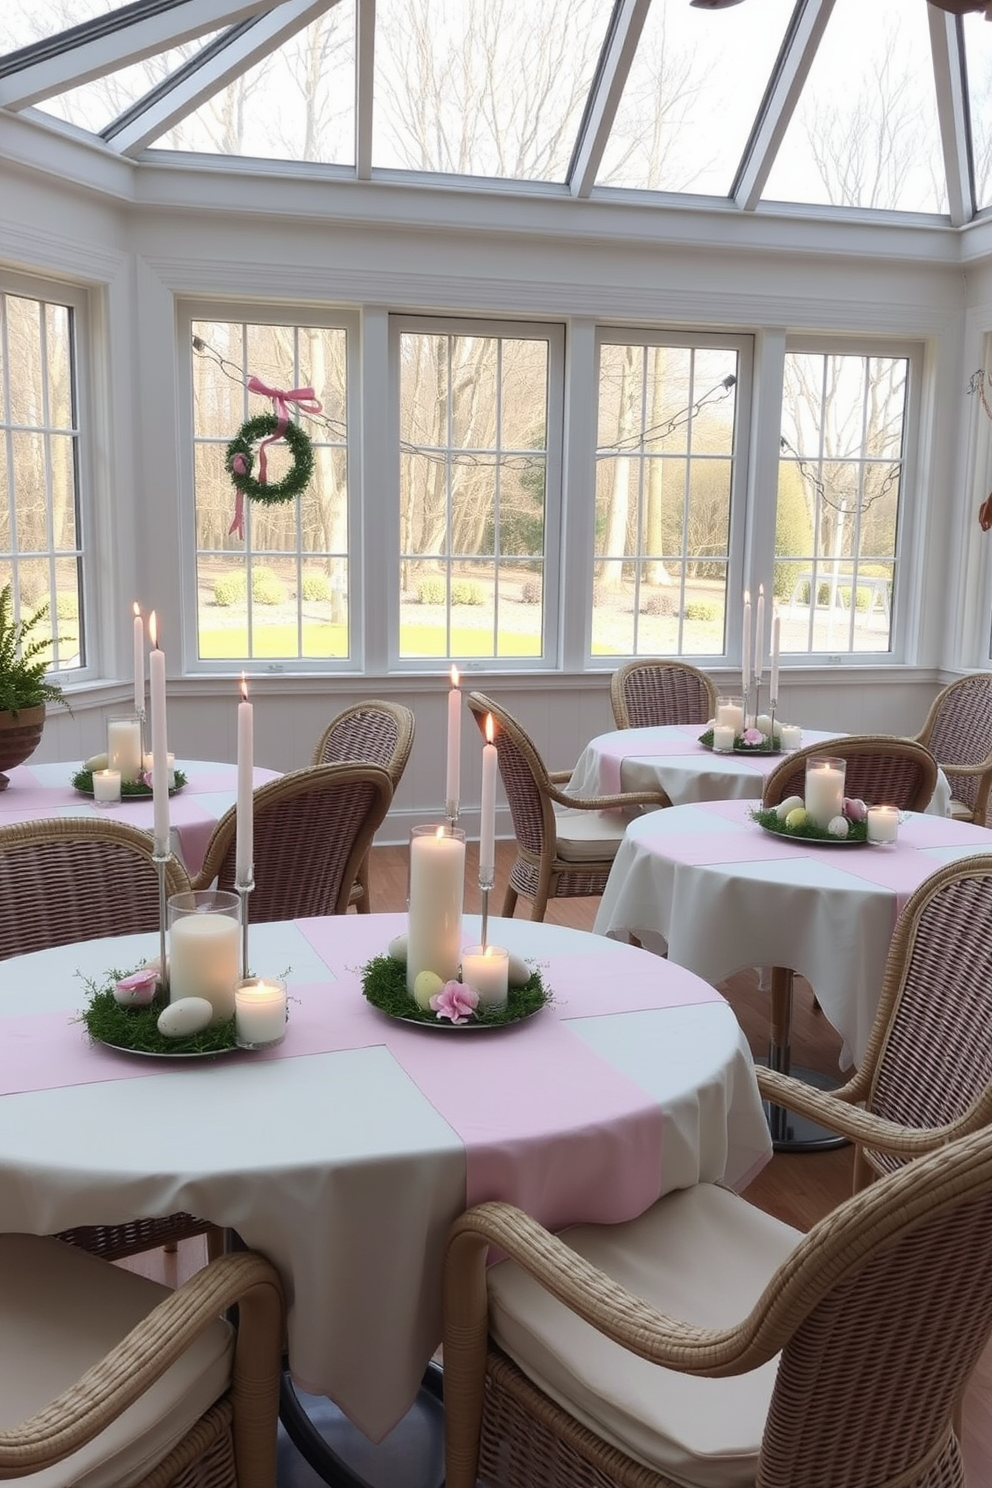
(791,737)
(106,787)
(883,825)
(204,947)
(825,788)
(148,761)
(723,738)
(487,969)
(435,900)
(730,714)
(124,745)
(259,1012)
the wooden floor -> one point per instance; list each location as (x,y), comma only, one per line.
(797,1187)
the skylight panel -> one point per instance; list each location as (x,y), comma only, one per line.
(296,104)
(978,58)
(691,98)
(96,104)
(25,21)
(866,132)
(483,87)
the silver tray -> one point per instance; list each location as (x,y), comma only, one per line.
(816,841)
(172,1054)
(445,1025)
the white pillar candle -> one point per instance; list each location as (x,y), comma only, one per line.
(106,787)
(487,969)
(776,646)
(746,643)
(149,767)
(437,894)
(730,712)
(124,747)
(160,748)
(723,738)
(244,846)
(453,779)
(139,661)
(203,960)
(759,635)
(883,824)
(259,1012)
(824,789)
(791,736)
(487,823)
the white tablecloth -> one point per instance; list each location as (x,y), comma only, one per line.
(672,758)
(37,791)
(810,910)
(335,1164)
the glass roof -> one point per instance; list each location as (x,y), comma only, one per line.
(880,106)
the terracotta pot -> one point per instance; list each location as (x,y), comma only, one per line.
(20,735)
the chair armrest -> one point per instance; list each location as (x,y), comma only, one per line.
(609,803)
(122,1375)
(559,777)
(833,1109)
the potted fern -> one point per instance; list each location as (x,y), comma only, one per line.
(24,685)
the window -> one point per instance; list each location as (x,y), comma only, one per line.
(41,554)
(667,458)
(280,593)
(841,472)
(480,441)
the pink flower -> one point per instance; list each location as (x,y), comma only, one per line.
(753,736)
(138,989)
(855,809)
(455,1001)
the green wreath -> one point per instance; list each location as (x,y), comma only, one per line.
(240,458)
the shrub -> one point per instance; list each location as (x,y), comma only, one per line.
(467,592)
(67,607)
(531,591)
(267,588)
(658,604)
(431,592)
(700,609)
(316,586)
(230,589)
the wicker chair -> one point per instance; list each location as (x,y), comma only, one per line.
(644,1354)
(375,733)
(84,1341)
(926,1076)
(958,732)
(558,857)
(313,827)
(645,694)
(881,769)
(80,878)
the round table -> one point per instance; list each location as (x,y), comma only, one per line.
(672,759)
(345,1153)
(707,885)
(38,791)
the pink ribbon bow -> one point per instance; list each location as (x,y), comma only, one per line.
(305,400)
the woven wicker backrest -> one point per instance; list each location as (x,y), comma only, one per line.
(372,732)
(647,694)
(69,879)
(901,1294)
(313,827)
(882,770)
(524,776)
(958,731)
(933,1062)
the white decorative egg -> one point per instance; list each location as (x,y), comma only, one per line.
(518,972)
(397,948)
(184,1017)
(838,826)
(791,803)
(96,762)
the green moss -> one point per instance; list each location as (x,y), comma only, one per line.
(82,781)
(384,985)
(706,739)
(136,1028)
(856,831)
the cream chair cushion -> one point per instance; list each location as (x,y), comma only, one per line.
(700,1254)
(589,836)
(61,1310)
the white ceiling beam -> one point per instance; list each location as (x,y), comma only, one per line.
(605,95)
(364,86)
(779,103)
(107,51)
(171,102)
(952,112)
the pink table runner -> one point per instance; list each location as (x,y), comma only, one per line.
(611,751)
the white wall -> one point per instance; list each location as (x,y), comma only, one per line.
(74,212)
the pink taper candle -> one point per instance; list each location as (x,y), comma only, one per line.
(759,635)
(776,647)
(453,781)
(487,824)
(244,846)
(746,644)
(139,661)
(160,742)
